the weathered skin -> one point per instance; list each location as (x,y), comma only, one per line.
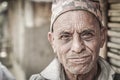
(77,39)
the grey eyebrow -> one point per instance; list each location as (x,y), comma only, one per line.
(87,31)
(64,32)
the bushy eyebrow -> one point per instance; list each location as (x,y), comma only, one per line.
(87,31)
(64,32)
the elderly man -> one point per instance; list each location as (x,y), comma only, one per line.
(76,35)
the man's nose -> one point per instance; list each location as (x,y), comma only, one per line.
(78,45)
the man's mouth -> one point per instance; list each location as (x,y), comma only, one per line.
(80,60)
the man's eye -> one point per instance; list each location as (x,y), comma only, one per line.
(65,37)
(87,36)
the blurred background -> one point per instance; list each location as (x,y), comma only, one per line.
(24,48)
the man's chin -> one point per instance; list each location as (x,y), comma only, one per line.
(79,69)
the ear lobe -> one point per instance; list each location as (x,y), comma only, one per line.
(103,36)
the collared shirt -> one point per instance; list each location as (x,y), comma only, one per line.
(55,71)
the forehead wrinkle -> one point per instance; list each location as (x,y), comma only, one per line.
(64,29)
(79,21)
(63,23)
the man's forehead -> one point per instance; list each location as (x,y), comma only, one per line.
(73,18)
(77,14)
(78,25)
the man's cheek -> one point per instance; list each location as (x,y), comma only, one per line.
(94,47)
(60,54)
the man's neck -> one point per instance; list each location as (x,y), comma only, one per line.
(88,76)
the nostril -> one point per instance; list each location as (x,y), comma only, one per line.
(78,49)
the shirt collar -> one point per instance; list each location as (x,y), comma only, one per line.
(55,71)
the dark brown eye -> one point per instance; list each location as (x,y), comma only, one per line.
(88,35)
(65,36)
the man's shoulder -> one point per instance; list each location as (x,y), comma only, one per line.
(105,65)
(107,73)
(37,77)
(51,72)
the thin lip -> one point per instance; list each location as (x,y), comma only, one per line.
(80,60)
(78,57)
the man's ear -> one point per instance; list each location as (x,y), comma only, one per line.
(103,35)
(50,37)
(51,40)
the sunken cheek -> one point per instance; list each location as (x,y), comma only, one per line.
(94,46)
(63,49)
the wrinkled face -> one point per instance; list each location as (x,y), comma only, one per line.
(76,39)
